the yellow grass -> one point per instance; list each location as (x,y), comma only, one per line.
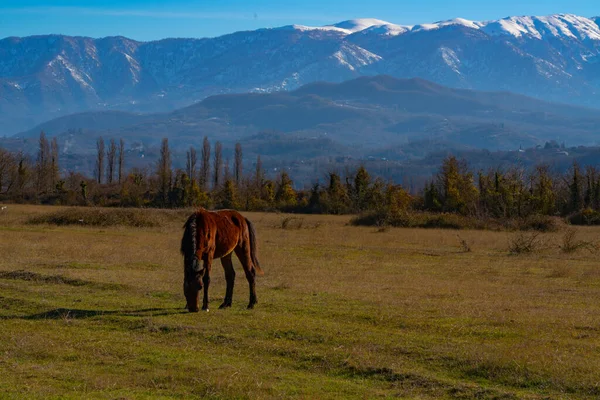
(343,312)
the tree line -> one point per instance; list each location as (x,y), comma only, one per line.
(208,180)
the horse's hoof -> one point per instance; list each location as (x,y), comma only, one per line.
(224,305)
(250,306)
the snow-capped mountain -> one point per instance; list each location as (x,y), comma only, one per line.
(554,58)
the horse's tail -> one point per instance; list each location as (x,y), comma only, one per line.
(189,240)
(255,262)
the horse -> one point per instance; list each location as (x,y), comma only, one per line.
(217,234)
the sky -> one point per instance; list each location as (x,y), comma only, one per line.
(151,19)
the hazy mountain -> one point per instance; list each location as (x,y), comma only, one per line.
(354,117)
(554,58)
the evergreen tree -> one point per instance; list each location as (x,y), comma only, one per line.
(229,198)
(543,196)
(459,194)
(285,196)
(337,200)
(575,199)
(360,189)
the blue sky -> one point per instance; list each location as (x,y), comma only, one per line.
(151,19)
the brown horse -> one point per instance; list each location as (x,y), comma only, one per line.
(217,234)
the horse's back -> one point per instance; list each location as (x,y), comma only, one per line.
(230,231)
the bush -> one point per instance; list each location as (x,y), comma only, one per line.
(454,221)
(447,221)
(585,217)
(381,218)
(292,223)
(539,223)
(571,244)
(523,243)
(103,217)
(416,220)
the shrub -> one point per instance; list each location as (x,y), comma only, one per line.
(100,217)
(571,244)
(464,245)
(382,218)
(585,217)
(454,221)
(446,221)
(522,243)
(539,223)
(292,223)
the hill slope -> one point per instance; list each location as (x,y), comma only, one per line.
(346,118)
(555,57)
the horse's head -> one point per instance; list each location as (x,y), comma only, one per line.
(192,283)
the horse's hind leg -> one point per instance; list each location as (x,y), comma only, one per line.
(243,253)
(230,279)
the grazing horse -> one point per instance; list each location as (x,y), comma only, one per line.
(217,234)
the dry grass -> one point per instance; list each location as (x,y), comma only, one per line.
(343,312)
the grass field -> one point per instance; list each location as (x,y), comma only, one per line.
(343,312)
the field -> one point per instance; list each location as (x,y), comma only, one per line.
(343,312)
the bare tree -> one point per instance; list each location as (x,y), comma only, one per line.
(259,174)
(23,173)
(164,171)
(43,163)
(54,167)
(237,164)
(226,172)
(100,159)
(190,165)
(218,165)
(121,158)
(7,164)
(111,158)
(205,167)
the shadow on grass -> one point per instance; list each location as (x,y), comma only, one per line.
(68,313)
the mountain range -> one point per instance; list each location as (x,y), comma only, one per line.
(555,58)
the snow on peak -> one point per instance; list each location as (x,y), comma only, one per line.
(558,25)
(357,25)
(353,26)
(387,29)
(451,22)
(304,28)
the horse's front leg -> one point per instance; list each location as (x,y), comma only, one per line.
(206,281)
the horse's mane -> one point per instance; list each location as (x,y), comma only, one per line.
(189,240)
